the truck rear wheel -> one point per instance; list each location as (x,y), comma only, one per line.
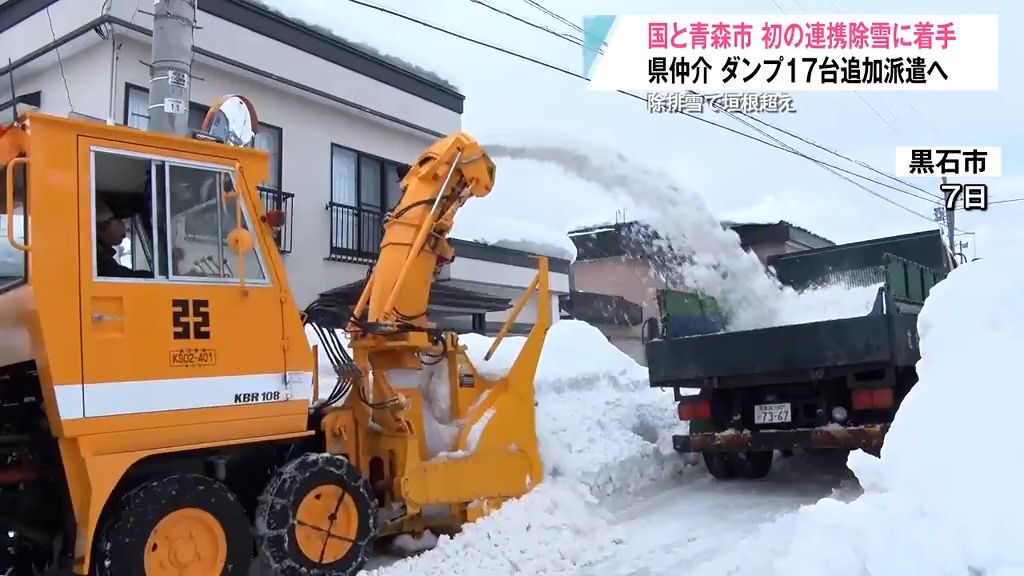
(720,465)
(317,517)
(753,464)
(182,524)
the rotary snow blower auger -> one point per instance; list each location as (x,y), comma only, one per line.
(153,415)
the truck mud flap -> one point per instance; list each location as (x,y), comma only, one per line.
(813,438)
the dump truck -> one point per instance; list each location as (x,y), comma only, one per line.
(163,411)
(811,387)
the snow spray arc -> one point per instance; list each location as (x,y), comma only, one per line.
(688,243)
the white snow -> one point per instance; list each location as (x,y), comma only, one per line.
(945,496)
(473,438)
(516,235)
(718,266)
(603,434)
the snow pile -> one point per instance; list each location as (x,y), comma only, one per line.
(707,256)
(554,530)
(598,420)
(603,432)
(826,303)
(516,235)
(944,498)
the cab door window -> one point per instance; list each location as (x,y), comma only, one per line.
(202,213)
(123,216)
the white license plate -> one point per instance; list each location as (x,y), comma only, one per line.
(772,413)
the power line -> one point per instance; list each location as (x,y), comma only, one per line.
(783,145)
(522,20)
(932,198)
(60,61)
(1007,201)
(556,16)
(642,98)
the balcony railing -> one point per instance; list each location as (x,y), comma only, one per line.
(281,201)
(355,232)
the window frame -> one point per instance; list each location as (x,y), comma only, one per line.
(204,109)
(340,252)
(360,155)
(280,154)
(170,278)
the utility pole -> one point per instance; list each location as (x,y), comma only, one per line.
(170,72)
(950,213)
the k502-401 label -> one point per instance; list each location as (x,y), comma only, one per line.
(192,357)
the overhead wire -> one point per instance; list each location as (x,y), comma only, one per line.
(748,116)
(933,197)
(562,70)
(60,60)
(733,114)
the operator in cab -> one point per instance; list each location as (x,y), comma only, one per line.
(110,233)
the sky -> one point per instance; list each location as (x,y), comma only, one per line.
(510,100)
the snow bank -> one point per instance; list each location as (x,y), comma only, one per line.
(554,530)
(598,420)
(516,235)
(603,433)
(707,257)
(945,496)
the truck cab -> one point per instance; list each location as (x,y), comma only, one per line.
(142,315)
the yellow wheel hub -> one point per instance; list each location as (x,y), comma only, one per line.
(187,542)
(326,524)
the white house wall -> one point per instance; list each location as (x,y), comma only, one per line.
(308,129)
(233,42)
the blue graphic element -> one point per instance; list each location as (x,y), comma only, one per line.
(595,32)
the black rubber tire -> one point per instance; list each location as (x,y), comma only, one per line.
(753,465)
(123,536)
(276,541)
(720,465)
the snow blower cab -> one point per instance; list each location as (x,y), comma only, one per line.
(162,408)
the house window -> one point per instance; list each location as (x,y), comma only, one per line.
(268,139)
(363,189)
(137,109)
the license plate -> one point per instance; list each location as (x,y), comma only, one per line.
(772,413)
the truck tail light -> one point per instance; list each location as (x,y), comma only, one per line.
(695,409)
(872,398)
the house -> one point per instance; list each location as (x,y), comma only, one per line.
(336,117)
(614,286)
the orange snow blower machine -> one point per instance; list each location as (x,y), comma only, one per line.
(162,408)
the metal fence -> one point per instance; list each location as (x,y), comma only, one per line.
(280,201)
(356,232)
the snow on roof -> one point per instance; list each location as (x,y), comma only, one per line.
(516,235)
(358,46)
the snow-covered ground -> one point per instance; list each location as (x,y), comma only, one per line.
(943,498)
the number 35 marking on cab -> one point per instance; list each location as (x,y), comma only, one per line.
(190,319)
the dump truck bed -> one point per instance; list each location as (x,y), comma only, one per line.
(730,357)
